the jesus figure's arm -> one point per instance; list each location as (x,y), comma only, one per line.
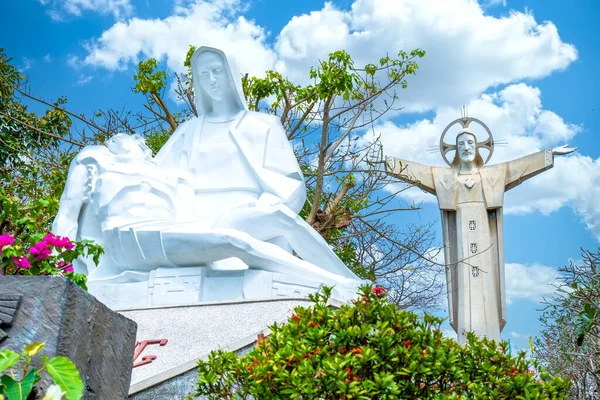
(523,168)
(411,172)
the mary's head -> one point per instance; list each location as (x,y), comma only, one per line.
(214,81)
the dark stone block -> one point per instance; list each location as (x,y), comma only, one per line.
(73,324)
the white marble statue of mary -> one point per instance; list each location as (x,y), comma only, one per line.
(471,199)
(214,216)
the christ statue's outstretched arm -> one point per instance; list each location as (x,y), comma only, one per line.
(523,168)
(417,174)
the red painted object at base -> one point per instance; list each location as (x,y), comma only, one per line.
(139,349)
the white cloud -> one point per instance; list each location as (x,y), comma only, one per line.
(530,282)
(60,9)
(216,24)
(26,63)
(48,58)
(467,51)
(516,335)
(83,80)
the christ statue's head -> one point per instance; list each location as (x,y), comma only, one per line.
(129,146)
(467,151)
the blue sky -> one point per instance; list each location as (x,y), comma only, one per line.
(527,68)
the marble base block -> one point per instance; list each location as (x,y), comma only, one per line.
(195,285)
(190,333)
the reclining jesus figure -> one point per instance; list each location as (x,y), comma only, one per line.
(224,192)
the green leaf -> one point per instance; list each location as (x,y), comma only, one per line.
(18,390)
(34,348)
(65,374)
(8,358)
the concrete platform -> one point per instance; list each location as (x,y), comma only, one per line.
(192,332)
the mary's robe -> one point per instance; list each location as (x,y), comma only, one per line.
(235,162)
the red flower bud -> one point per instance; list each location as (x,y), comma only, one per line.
(378,291)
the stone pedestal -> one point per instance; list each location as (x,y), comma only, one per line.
(190,333)
(194,285)
(73,324)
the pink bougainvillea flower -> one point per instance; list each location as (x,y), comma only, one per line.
(21,262)
(60,242)
(6,240)
(53,240)
(67,244)
(40,250)
(65,266)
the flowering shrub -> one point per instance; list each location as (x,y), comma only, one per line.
(25,251)
(371,350)
(45,255)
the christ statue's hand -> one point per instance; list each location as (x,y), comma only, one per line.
(564,149)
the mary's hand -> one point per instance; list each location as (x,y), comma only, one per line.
(564,149)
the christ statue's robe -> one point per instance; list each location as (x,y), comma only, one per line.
(472,224)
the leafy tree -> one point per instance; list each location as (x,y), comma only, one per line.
(33,166)
(570,340)
(371,350)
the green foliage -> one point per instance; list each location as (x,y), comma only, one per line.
(332,78)
(342,184)
(8,358)
(188,57)
(569,344)
(156,140)
(347,253)
(25,220)
(62,371)
(19,390)
(371,350)
(273,84)
(24,133)
(148,79)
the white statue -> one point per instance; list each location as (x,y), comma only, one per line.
(470,198)
(213,215)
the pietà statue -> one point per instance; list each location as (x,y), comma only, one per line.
(471,199)
(214,216)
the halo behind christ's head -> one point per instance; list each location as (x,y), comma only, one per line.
(488,143)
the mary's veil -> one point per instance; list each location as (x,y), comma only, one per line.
(203,102)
